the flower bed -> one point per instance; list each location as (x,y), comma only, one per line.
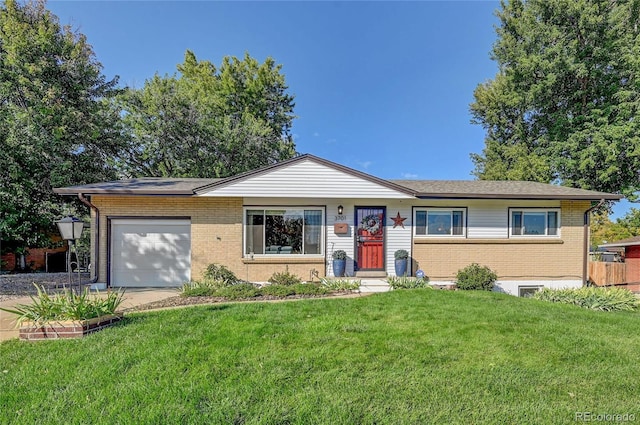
(66,329)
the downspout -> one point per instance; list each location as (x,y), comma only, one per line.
(585,247)
(96,233)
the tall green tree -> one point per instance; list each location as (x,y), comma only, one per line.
(209,122)
(604,230)
(58,126)
(565,103)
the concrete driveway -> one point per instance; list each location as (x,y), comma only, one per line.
(133,297)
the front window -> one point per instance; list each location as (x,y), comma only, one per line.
(539,222)
(288,231)
(440,222)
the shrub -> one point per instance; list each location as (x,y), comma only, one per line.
(68,305)
(340,284)
(309,289)
(238,291)
(401,254)
(603,299)
(339,254)
(221,274)
(476,276)
(277,290)
(407,282)
(284,278)
(199,288)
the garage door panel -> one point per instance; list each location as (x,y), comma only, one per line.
(150,252)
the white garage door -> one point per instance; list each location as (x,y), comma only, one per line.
(148,253)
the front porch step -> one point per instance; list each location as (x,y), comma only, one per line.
(374,285)
(371,274)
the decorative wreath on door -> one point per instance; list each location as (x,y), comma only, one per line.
(371,223)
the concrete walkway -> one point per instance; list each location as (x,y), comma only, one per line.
(132,297)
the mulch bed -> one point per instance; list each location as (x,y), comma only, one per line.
(21,284)
(179,301)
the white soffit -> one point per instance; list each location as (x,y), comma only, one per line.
(306,179)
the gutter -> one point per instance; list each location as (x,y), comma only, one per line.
(585,247)
(96,238)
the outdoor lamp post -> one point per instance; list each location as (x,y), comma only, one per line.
(71,229)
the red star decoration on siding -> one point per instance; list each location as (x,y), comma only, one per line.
(398,221)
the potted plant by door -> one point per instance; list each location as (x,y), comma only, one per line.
(339,262)
(402,257)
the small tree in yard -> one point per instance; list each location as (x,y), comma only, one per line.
(476,277)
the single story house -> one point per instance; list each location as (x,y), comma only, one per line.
(293,215)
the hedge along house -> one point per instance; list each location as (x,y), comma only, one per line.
(293,215)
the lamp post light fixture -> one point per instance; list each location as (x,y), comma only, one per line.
(71,229)
(340,209)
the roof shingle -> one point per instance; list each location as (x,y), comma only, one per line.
(140,186)
(497,189)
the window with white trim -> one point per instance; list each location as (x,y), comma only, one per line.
(283,231)
(538,222)
(440,222)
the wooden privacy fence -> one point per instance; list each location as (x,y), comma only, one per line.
(603,273)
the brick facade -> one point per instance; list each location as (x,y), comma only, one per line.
(216,237)
(512,259)
(216,234)
(36,258)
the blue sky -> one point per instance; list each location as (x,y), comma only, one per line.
(382,87)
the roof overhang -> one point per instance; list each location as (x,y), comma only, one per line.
(610,197)
(420,189)
(618,245)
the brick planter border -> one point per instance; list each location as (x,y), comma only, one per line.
(66,329)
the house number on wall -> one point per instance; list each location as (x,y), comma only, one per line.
(340,217)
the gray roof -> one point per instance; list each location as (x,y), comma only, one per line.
(499,189)
(623,242)
(140,186)
(451,189)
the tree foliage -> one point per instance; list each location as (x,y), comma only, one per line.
(209,122)
(564,104)
(604,230)
(57,126)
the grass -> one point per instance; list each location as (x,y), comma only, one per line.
(68,305)
(402,357)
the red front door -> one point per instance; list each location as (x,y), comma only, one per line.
(370,238)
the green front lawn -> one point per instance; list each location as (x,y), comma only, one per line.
(421,356)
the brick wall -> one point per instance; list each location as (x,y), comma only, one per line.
(216,237)
(511,259)
(216,234)
(36,258)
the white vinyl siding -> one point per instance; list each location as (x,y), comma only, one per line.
(487,221)
(307,179)
(398,238)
